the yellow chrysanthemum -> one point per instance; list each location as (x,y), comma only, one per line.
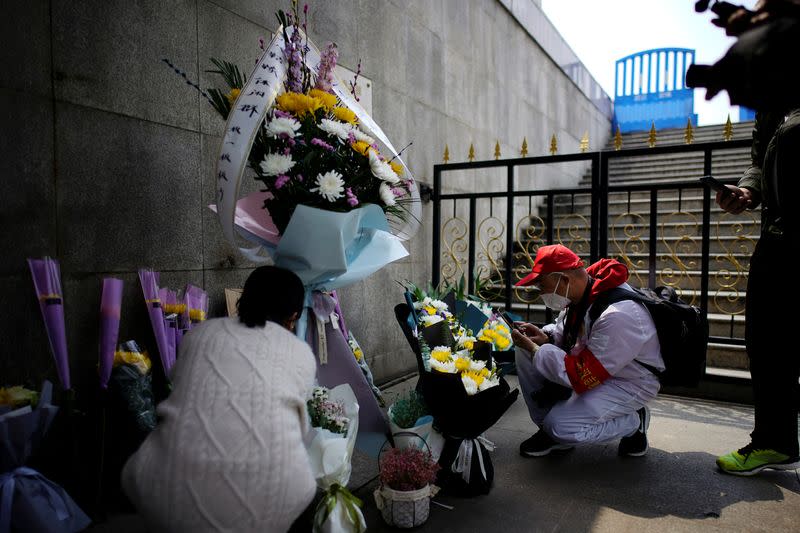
(484,338)
(469,345)
(359,353)
(484,372)
(298,104)
(502,343)
(328,100)
(431,310)
(474,376)
(233,95)
(397,167)
(344,114)
(502,328)
(441,355)
(462,364)
(361,147)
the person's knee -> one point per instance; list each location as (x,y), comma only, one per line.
(564,430)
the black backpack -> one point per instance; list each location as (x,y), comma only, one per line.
(682,331)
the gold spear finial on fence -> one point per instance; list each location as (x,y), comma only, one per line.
(553,145)
(585,141)
(651,138)
(688,135)
(618,140)
(497,150)
(471,155)
(727,133)
(446,156)
(524,150)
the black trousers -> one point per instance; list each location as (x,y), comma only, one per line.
(771,333)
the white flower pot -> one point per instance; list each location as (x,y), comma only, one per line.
(404,509)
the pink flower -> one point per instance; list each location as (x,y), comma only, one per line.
(299,177)
(281,180)
(398,191)
(321,144)
(282,114)
(327,64)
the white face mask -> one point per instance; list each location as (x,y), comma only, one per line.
(555,301)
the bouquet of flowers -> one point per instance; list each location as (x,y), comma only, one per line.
(458,369)
(30,501)
(333,417)
(336,198)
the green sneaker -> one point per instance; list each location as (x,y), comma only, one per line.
(749,461)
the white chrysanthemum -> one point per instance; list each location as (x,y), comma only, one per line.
(386,194)
(463,339)
(439,305)
(429,320)
(330,186)
(426,301)
(332,127)
(448,367)
(276,164)
(382,170)
(361,136)
(282,125)
(488,383)
(441,352)
(469,384)
(476,365)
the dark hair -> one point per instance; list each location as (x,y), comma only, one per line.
(270,294)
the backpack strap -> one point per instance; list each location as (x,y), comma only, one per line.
(612,296)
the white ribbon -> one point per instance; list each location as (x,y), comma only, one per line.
(322,341)
(463,461)
(256,98)
(335,321)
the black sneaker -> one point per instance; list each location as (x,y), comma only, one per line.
(540,445)
(636,444)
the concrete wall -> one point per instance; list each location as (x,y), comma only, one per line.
(107,156)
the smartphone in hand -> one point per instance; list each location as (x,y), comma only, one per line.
(508,320)
(715,184)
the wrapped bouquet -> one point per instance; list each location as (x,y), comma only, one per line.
(333,416)
(458,369)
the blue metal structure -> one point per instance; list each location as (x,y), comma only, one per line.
(650,88)
(746,114)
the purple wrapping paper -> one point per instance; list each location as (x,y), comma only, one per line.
(342,367)
(110,306)
(149,281)
(47,282)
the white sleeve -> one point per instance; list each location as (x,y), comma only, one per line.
(549,362)
(619,334)
(556,329)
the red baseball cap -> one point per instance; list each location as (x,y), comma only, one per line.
(551,258)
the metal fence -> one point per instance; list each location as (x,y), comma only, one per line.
(667,232)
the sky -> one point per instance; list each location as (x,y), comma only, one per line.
(602,31)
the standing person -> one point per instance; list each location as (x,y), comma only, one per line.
(586,382)
(228,453)
(773,181)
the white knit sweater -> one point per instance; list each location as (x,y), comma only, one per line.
(228,452)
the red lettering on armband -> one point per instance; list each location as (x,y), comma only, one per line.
(584,371)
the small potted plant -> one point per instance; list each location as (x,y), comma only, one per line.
(407,476)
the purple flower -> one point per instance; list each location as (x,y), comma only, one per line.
(327,64)
(287,151)
(351,198)
(282,114)
(398,191)
(281,180)
(351,137)
(321,144)
(299,177)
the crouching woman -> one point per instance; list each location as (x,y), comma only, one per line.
(228,451)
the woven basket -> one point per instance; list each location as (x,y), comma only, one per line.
(404,509)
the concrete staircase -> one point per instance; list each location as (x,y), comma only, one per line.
(679,231)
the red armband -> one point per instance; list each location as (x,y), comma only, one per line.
(584,371)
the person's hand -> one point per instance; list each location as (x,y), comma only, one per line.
(532,332)
(736,201)
(522,341)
